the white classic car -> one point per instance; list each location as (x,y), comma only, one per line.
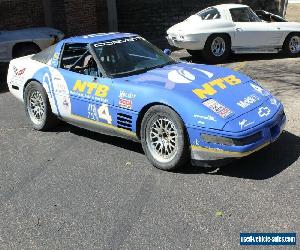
(24,42)
(217,31)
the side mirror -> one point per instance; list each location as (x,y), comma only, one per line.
(167,52)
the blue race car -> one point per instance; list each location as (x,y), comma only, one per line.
(120,84)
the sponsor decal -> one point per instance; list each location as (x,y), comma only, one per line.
(218,108)
(98,34)
(181,76)
(118,41)
(55,56)
(125,103)
(205,72)
(208,117)
(209,89)
(18,72)
(274,102)
(259,90)
(249,100)
(90,90)
(128,95)
(244,123)
(197,142)
(264,111)
(66,104)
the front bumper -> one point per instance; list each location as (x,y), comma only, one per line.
(212,152)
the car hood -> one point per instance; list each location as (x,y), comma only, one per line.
(213,91)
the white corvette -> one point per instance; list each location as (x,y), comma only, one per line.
(217,31)
(18,43)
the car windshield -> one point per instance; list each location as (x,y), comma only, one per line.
(129,56)
(244,15)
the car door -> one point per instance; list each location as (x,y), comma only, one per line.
(90,94)
(251,32)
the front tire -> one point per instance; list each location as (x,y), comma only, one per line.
(164,138)
(37,107)
(291,46)
(217,48)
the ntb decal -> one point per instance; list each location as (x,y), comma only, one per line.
(90,90)
(210,88)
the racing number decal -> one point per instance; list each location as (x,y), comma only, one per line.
(102,113)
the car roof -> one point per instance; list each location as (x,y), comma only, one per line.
(231,6)
(99,37)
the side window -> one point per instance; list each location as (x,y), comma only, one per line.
(45,55)
(77,58)
(243,15)
(209,14)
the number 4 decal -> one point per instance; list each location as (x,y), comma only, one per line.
(103,113)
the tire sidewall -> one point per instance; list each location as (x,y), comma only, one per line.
(151,115)
(207,53)
(286,47)
(38,87)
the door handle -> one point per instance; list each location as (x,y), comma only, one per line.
(239,29)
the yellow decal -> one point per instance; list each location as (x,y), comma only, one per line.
(91,88)
(208,88)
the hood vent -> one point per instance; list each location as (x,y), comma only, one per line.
(124,121)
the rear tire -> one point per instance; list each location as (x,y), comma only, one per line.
(37,107)
(164,138)
(291,45)
(217,48)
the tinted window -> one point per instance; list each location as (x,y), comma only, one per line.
(209,14)
(46,55)
(244,15)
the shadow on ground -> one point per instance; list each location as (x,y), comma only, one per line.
(234,58)
(112,140)
(261,165)
(3,74)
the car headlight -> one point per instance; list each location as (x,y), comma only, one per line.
(231,141)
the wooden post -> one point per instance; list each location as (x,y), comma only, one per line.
(112,15)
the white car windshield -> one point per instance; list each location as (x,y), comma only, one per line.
(244,15)
(128,56)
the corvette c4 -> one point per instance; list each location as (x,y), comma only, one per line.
(120,84)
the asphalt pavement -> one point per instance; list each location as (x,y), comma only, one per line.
(74,189)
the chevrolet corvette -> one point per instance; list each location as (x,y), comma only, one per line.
(120,84)
(215,32)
